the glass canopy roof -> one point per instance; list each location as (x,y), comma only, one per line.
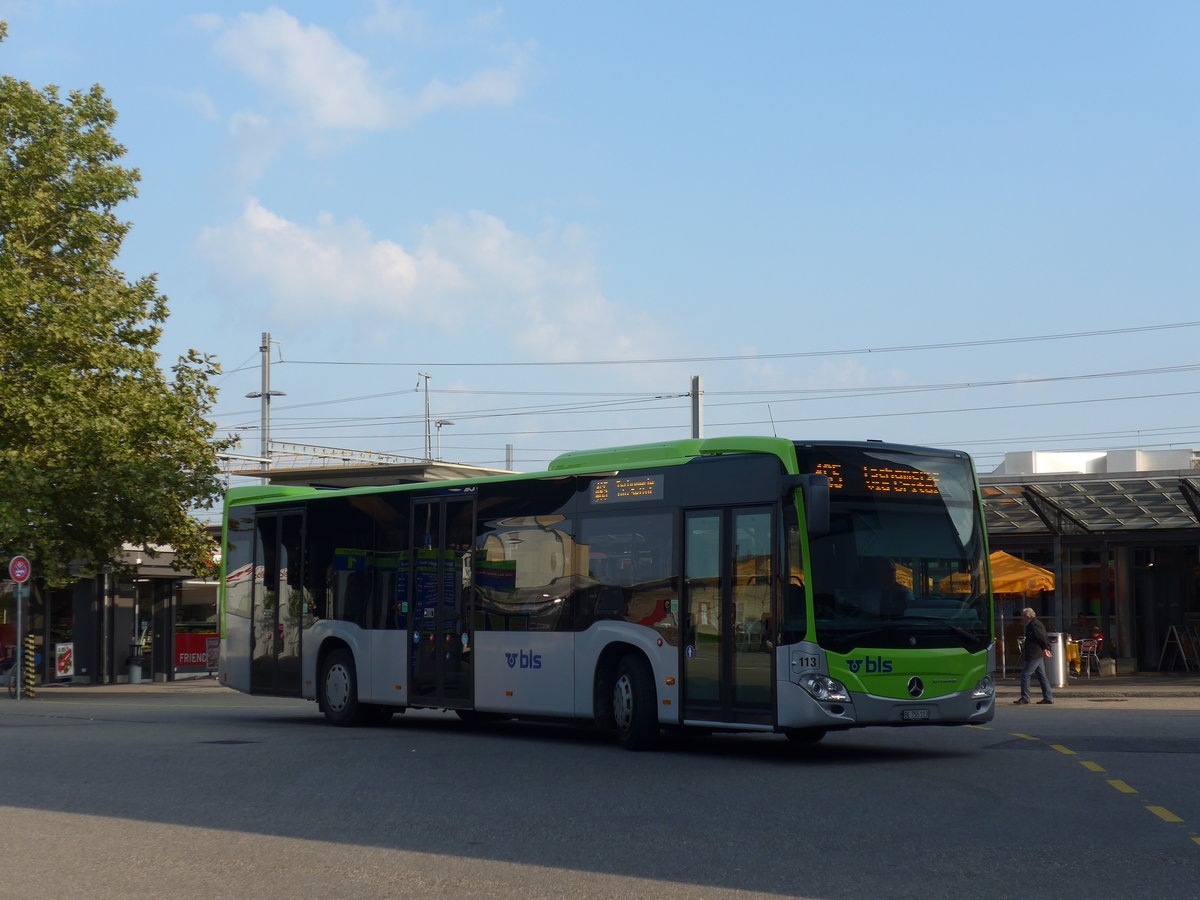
(1084,504)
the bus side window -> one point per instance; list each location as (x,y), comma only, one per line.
(630,571)
(795,616)
(611,602)
(524,559)
(339,558)
(239,579)
(523,574)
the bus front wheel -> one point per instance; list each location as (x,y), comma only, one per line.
(339,690)
(803,736)
(634,703)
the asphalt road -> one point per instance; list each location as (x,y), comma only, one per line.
(211,794)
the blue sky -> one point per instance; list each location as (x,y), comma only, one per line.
(575,206)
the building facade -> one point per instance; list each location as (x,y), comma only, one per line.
(153,623)
(1120,533)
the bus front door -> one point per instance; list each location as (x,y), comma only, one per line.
(277,604)
(440,629)
(728,644)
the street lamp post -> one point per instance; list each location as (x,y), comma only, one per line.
(428,448)
(265,395)
(439,423)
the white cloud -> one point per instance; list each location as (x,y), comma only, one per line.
(307,71)
(306,68)
(500,86)
(541,292)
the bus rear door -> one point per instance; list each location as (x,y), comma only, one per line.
(442,534)
(277,603)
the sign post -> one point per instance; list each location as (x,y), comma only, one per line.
(19,571)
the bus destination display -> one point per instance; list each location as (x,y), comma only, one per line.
(627,488)
(879,479)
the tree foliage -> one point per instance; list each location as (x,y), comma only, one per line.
(98,446)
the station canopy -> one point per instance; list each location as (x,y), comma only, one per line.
(1072,503)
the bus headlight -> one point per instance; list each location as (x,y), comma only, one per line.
(824,688)
(984,687)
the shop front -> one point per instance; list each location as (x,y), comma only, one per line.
(1122,554)
(153,623)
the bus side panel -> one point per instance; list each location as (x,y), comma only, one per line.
(234,662)
(529,672)
(389,667)
(663,657)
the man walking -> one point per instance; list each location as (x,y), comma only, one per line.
(1037,649)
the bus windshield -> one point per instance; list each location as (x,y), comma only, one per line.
(902,565)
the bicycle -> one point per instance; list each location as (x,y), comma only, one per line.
(8,675)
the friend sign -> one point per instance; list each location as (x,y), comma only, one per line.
(19,569)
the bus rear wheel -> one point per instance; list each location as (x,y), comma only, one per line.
(634,703)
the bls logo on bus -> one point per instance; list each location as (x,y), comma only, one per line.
(525,660)
(872,665)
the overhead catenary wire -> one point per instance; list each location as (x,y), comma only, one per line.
(809,419)
(632,403)
(779,395)
(802,354)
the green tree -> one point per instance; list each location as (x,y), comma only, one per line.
(98,446)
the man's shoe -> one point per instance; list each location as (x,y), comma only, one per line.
(1040,702)
(1021,701)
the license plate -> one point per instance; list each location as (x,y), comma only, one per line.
(914,715)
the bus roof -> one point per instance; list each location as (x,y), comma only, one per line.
(672,453)
(579,462)
(608,460)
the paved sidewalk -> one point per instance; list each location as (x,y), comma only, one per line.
(182,686)
(1142,684)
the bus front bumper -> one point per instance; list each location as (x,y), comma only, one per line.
(799,709)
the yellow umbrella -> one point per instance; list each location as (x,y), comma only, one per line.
(1010,575)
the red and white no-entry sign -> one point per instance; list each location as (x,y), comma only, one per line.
(19,569)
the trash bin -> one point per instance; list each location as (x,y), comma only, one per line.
(135,669)
(1056,665)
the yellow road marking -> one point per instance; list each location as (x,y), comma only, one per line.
(1165,814)
(1162,812)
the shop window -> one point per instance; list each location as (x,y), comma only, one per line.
(196,631)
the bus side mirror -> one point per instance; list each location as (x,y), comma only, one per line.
(816,501)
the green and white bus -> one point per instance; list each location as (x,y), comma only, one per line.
(741,584)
